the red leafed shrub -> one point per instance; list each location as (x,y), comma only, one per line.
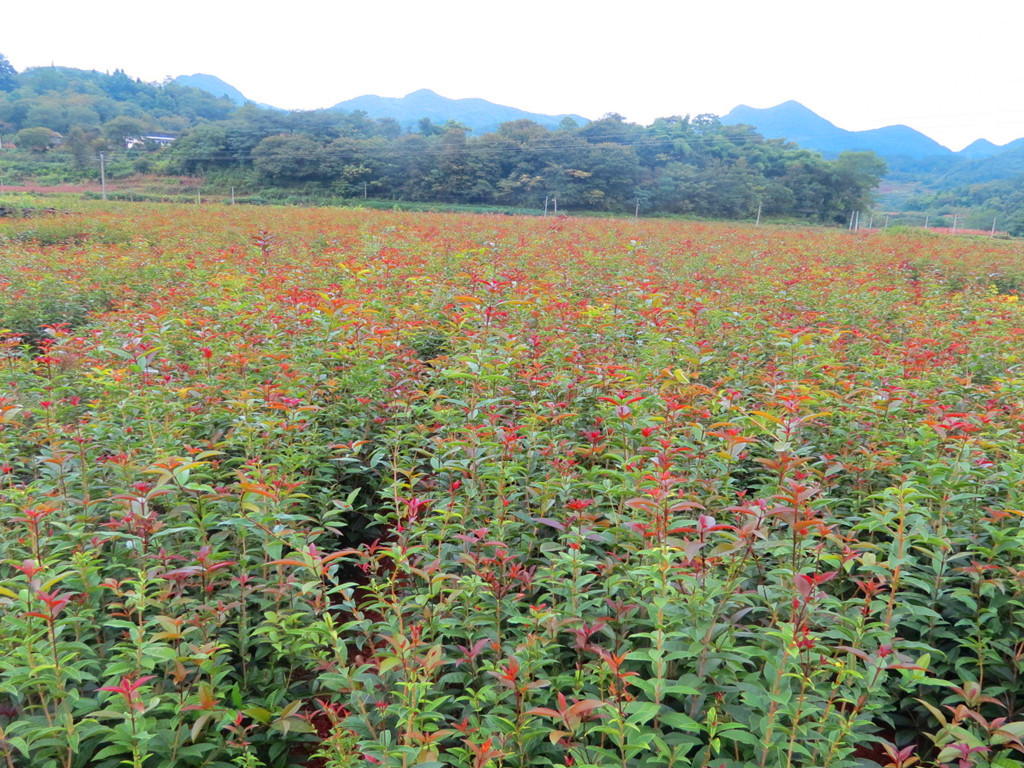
(340,488)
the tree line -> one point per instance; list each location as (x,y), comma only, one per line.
(676,165)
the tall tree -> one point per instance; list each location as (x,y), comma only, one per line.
(121,129)
(79,144)
(857,175)
(288,158)
(8,75)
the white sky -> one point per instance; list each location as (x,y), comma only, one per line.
(953,70)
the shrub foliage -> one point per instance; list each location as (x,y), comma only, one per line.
(337,488)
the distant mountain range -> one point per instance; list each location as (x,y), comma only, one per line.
(905,148)
(985,148)
(217,87)
(479,115)
(795,122)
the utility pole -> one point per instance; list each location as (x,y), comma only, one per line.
(103,176)
(758,222)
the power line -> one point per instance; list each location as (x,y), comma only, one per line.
(506,148)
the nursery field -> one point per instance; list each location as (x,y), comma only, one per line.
(338,488)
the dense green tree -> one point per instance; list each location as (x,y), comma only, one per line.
(288,158)
(857,175)
(674,187)
(121,87)
(388,128)
(408,165)
(79,113)
(36,139)
(12,113)
(514,158)
(613,174)
(119,130)
(1014,223)
(357,166)
(80,144)
(43,79)
(610,129)
(250,125)
(666,140)
(205,148)
(453,179)
(8,75)
(728,189)
(426,127)
(47,113)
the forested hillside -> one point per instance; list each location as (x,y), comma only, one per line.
(678,165)
(981,184)
(98,107)
(60,119)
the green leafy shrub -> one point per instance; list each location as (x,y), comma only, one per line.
(330,488)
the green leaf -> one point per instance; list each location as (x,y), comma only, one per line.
(641,712)
(111,750)
(739,734)
(680,722)
(259,714)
